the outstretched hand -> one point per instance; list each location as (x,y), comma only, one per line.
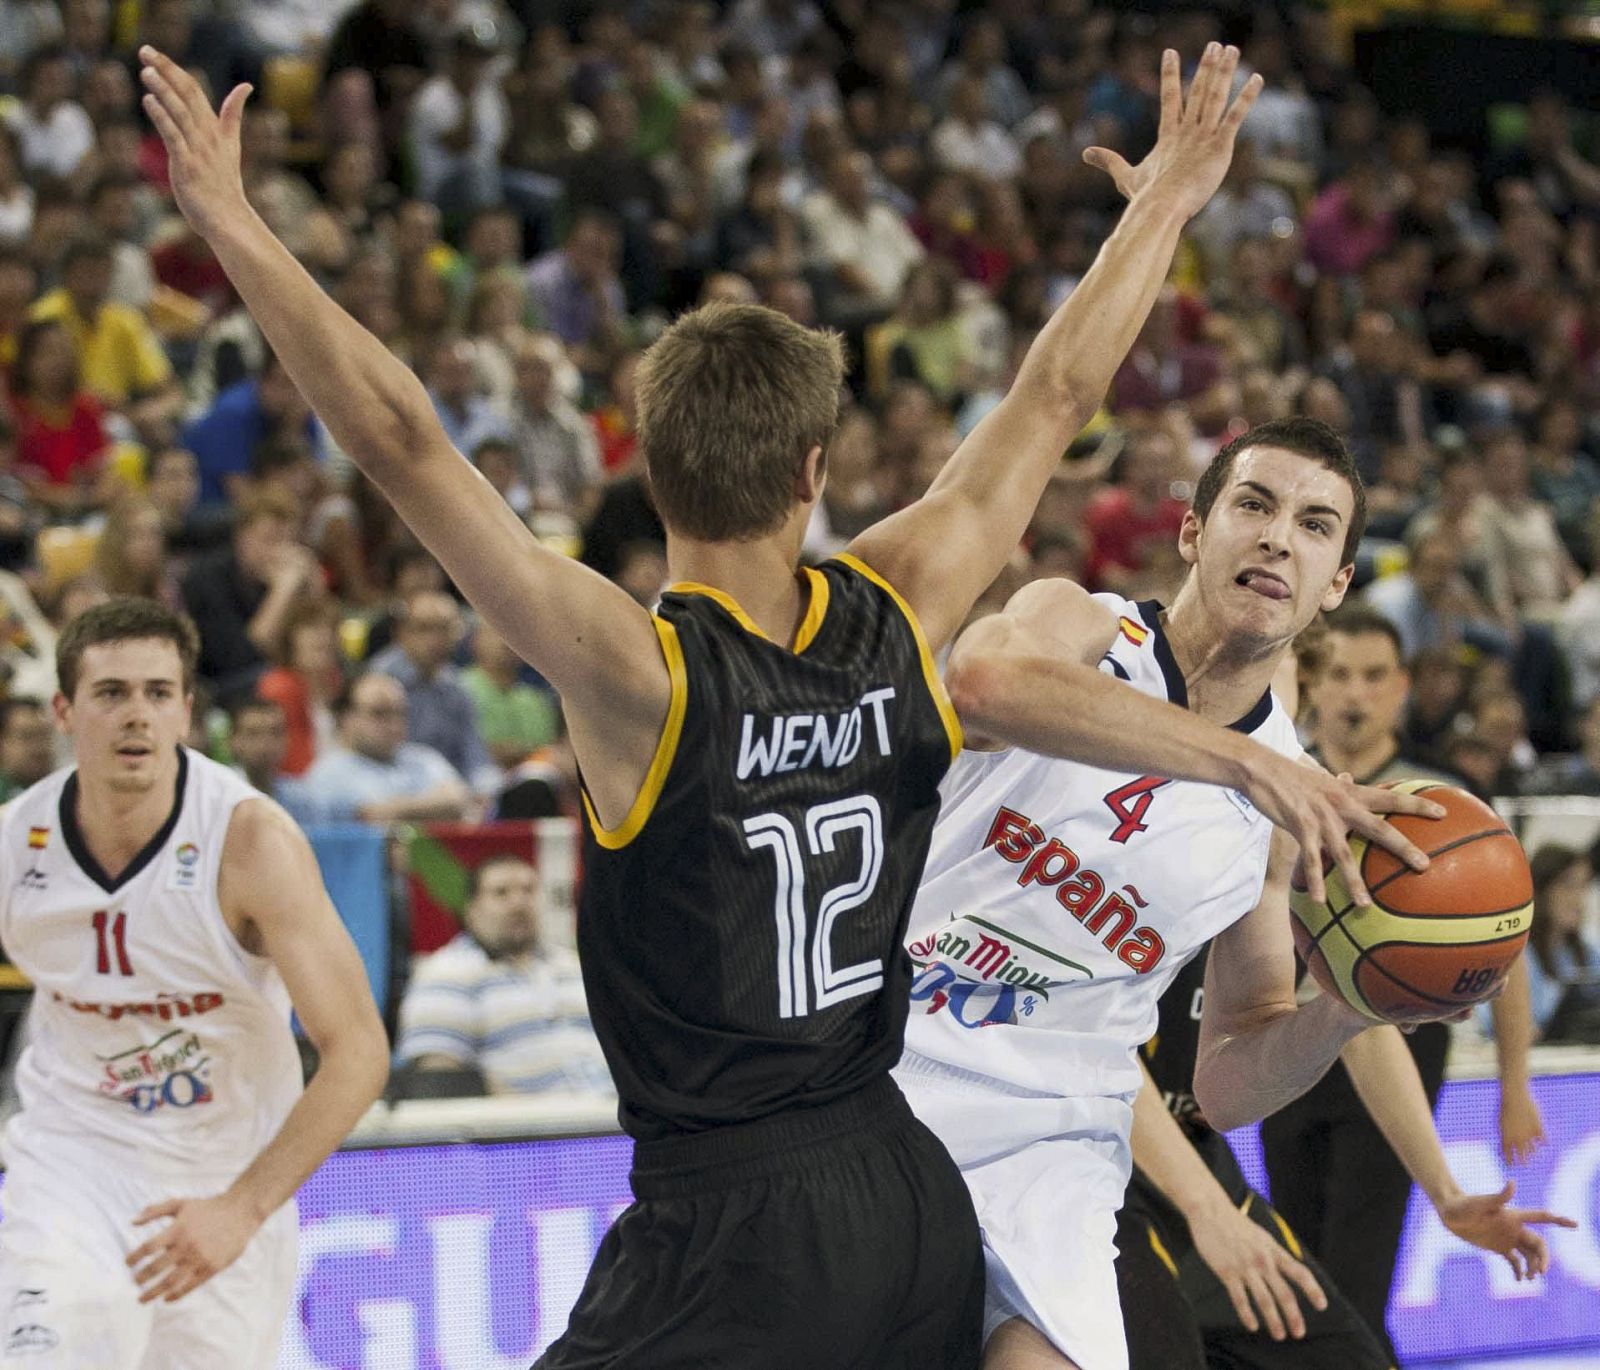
(202,144)
(1195,142)
(1320,811)
(1486,1221)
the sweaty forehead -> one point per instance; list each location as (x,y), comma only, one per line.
(1293,478)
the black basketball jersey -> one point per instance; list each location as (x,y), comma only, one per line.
(742,932)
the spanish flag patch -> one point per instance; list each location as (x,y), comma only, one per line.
(38,838)
(1136,633)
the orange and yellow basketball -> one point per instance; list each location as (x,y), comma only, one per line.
(1432,943)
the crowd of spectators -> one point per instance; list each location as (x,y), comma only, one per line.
(516,197)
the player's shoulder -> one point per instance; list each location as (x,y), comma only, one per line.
(260,835)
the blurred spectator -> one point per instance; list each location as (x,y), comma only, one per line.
(131,555)
(862,244)
(304,682)
(1383,401)
(514,719)
(374,774)
(1579,627)
(500,997)
(53,131)
(558,457)
(1431,602)
(121,359)
(1350,222)
(16,195)
(981,58)
(576,290)
(27,745)
(968,140)
(1547,160)
(1162,368)
(114,211)
(1562,954)
(376,62)
(1438,695)
(1565,477)
(1138,517)
(257,739)
(1578,772)
(459,121)
(1246,207)
(642,571)
(468,417)
(442,715)
(244,416)
(60,433)
(926,339)
(1520,534)
(240,598)
(616,418)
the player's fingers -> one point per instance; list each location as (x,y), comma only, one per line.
(166,94)
(1311,865)
(183,85)
(159,1291)
(1241,1304)
(1112,163)
(1216,96)
(160,1263)
(1197,87)
(1349,867)
(1379,799)
(1544,1218)
(1267,1305)
(1390,838)
(140,1254)
(1243,103)
(232,112)
(1171,92)
(1302,1277)
(170,133)
(167,1208)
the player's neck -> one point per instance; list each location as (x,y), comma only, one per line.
(1363,761)
(115,825)
(760,575)
(1224,681)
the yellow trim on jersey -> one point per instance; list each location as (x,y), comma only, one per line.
(816,607)
(811,624)
(1159,1247)
(614,839)
(930,672)
(1136,633)
(1289,1239)
(12,978)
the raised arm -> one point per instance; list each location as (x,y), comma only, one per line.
(942,552)
(1385,1077)
(583,634)
(1029,677)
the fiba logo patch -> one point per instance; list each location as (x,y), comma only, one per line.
(186,868)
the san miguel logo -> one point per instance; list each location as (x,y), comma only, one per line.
(1050,864)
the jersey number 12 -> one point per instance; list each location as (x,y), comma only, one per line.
(116,943)
(808,982)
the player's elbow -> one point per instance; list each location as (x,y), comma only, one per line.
(1222,1104)
(979,682)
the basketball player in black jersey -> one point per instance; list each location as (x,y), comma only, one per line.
(761,761)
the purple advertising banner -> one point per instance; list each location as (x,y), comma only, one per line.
(1451,1300)
(468,1257)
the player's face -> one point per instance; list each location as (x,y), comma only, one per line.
(1360,692)
(129,713)
(1269,555)
(504,915)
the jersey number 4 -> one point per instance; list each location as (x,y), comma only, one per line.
(807,978)
(116,943)
(1130,803)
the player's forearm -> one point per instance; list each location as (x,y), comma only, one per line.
(1243,1076)
(1167,1159)
(369,400)
(350,1074)
(1069,367)
(1513,1025)
(1006,689)
(1385,1077)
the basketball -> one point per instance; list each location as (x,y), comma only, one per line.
(1432,943)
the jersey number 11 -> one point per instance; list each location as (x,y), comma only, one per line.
(117,942)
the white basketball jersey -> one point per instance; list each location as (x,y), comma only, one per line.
(151,1026)
(1059,900)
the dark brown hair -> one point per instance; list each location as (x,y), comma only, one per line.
(1547,865)
(1310,438)
(731,399)
(125,619)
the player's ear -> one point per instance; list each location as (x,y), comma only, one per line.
(61,710)
(813,476)
(1333,597)
(1189,537)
